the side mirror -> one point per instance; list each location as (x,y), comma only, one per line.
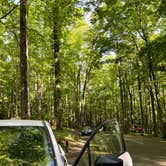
(108,160)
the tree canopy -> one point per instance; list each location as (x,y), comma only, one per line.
(88,61)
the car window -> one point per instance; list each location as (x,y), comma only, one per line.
(106,142)
(25,145)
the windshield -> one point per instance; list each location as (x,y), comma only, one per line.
(107,140)
(25,145)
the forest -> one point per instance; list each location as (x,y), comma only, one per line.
(80,62)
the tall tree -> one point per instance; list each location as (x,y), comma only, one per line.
(56,50)
(25,104)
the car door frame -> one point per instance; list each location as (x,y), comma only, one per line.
(86,145)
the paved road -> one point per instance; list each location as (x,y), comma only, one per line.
(146,151)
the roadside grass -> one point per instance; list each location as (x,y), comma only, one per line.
(66,133)
(66,136)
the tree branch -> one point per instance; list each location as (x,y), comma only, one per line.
(10,11)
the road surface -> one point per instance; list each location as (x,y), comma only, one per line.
(146,151)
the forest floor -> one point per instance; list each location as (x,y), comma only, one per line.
(144,151)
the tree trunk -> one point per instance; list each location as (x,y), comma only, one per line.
(139,83)
(122,115)
(131,106)
(140,95)
(152,79)
(38,96)
(157,95)
(77,97)
(126,103)
(153,112)
(82,105)
(56,50)
(25,104)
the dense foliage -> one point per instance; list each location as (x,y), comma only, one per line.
(111,58)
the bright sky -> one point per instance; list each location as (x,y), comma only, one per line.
(15,1)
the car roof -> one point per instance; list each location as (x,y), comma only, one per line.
(14,122)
